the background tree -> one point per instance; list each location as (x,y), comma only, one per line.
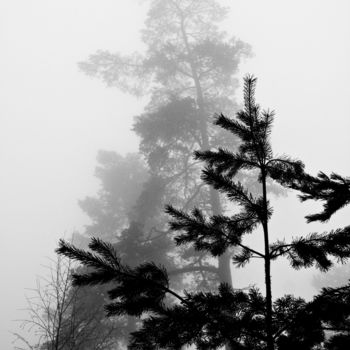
(188,71)
(242,320)
(65,318)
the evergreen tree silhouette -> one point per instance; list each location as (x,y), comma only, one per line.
(243,320)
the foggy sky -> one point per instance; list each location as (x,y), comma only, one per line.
(54,119)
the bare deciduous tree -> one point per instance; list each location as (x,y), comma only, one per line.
(62,317)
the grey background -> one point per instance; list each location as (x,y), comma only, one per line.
(54,119)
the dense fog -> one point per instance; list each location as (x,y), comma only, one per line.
(60,120)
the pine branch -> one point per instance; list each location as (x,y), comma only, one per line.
(226,162)
(89,259)
(334,191)
(316,249)
(215,234)
(141,288)
(244,256)
(234,191)
(286,171)
(203,233)
(233,126)
(106,250)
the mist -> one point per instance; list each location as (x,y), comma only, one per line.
(56,118)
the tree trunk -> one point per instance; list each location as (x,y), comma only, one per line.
(270,342)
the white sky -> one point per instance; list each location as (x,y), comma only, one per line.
(54,119)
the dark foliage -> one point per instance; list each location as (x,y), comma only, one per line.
(333,191)
(332,306)
(238,319)
(315,249)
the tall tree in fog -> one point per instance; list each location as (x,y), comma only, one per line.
(242,320)
(187,70)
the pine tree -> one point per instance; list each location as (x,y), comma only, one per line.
(244,320)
